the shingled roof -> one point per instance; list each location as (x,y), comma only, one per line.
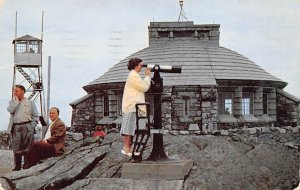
(203,63)
(26,38)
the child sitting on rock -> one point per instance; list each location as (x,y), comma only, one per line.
(99,133)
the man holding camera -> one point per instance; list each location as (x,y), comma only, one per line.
(23,119)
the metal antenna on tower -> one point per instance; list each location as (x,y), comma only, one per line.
(42,32)
(182,13)
(16,25)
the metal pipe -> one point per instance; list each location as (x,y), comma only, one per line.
(42,26)
(16,25)
(48,88)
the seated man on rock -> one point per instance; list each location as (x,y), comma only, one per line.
(52,145)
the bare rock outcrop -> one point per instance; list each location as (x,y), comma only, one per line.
(220,162)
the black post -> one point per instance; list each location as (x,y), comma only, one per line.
(158,151)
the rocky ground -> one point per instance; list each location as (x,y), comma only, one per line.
(220,162)
(6,161)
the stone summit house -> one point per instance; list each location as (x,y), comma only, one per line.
(218,87)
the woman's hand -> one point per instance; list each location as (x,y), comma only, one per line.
(147,71)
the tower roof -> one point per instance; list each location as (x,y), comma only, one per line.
(26,38)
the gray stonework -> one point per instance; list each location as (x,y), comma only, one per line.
(83,115)
(181,95)
(209,108)
(160,33)
(287,110)
(202,109)
(272,103)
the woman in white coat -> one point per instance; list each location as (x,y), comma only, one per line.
(134,92)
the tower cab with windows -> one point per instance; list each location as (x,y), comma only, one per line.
(27,51)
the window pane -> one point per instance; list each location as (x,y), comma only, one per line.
(228,106)
(247,103)
(225,102)
(21,47)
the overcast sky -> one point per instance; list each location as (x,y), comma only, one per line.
(86,38)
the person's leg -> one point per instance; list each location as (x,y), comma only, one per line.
(32,156)
(127,129)
(17,161)
(16,139)
(127,143)
(126,147)
(38,151)
(47,151)
(28,140)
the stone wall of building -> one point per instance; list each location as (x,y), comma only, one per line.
(183,115)
(113,103)
(202,109)
(258,118)
(272,109)
(166,104)
(83,116)
(287,111)
(170,32)
(209,108)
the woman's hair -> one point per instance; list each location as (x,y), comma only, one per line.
(133,62)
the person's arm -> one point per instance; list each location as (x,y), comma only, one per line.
(138,83)
(12,106)
(34,115)
(59,131)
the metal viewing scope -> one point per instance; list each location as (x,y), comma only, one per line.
(164,68)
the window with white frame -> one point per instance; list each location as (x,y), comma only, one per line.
(247,103)
(33,47)
(225,103)
(21,46)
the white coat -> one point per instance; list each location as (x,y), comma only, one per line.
(134,92)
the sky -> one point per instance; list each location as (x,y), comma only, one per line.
(86,38)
